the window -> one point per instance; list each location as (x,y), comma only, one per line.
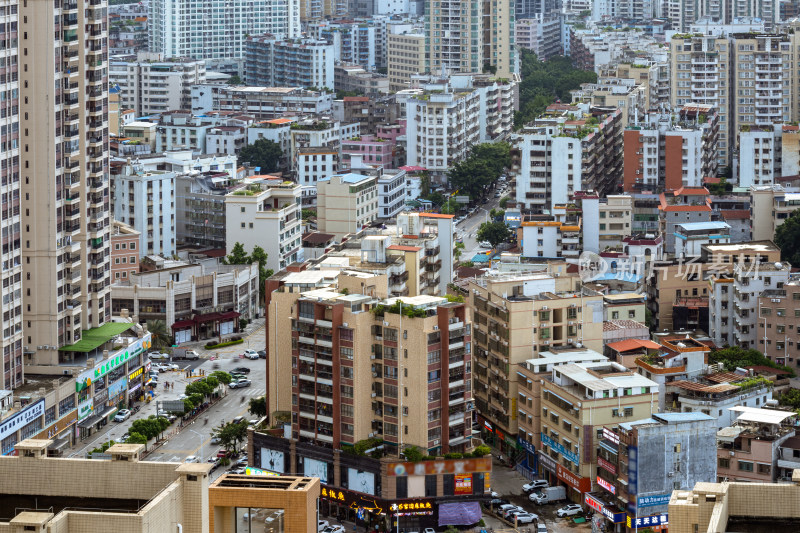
(347,410)
(724,462)
(433,375)
(434,357)
(347,391)
(745,466)
(764,469)
(434,414)
(347,372)
(629,411)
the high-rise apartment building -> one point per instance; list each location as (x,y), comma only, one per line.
(365,367)
(499,50)
(11,341)
(217,29)
(405,57)
(272,62)
(454,36)
(64,165)
(566,151)
(517,316)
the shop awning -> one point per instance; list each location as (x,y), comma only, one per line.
(231,314)
(89,421)
(109,411)
(212,317)
(96,337)
(59,444)
(459,514)
(180,324)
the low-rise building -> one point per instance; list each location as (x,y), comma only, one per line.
(125,252)
(359,80)
(673,357)
(266,213)
(577,404)
(196,301)
(749,450)
(770,206)
(346,203)
(690,237)
(262,103)
(644,461)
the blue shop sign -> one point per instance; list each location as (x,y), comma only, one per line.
(654,500)
(527,446)
(560,448)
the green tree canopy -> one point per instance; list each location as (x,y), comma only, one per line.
(734,356)
(544,81)
(222,377)
(494,233)
(484,165)
(231,435)
(258,406)
(238,256)
(787,237)
(263,153)
(161,337)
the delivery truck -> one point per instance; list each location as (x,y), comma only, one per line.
(549,495)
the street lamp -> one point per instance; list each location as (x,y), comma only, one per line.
(202,457)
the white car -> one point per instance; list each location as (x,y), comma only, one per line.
(429,530)
(333,529)
(191,459)
(525,518)
(569,510)
(157,355)
(540,527)
(322,524)
(535,484)
(250,354)
(485,244)
(122,415)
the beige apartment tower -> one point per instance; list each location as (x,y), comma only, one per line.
(64,173)
(405,57)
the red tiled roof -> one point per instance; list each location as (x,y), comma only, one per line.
(735,214)
(632,344)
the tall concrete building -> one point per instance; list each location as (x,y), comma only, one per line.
(64,165)
(148,86)
(11,341)
(217,29)
(454,36)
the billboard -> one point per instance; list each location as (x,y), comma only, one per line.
(446,466)
(173,406)
(361,481)
(315,468)
(272,460)
(463,484)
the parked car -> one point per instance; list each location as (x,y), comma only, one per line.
(507,512)
(541,527)
(334,529)
(239,470)
(262,354)
(485,244)
(241,370)
(322,524)
(429,530)
(569,510)
(215,440)
(236,376)
(535,484)
(240,384)
(525,518)
(497,502)
(122,415)
(157,355)
(250,354)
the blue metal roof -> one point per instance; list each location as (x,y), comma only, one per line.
(694,226)
(348,178)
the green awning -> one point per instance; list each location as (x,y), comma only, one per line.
(96,337)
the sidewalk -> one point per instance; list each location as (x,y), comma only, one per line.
(251,328)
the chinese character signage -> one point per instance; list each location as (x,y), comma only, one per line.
(356,501)
(21,419)
(560,448)
(606,485)
(605,465)
(617,517)
(581,484)
(86,378)
(463,484)
(447,466)
(648,521)
(611,436)
(654,500)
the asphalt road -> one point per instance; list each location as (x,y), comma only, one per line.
(468,228)
(194,439)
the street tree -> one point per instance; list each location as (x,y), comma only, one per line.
(160,335)
(494,233)
(787,237)
(258,406)
(231,435)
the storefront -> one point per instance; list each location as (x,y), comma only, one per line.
(547,467)
(11,426)
(606,513)
(577,485)
(529,465)
(371,512)
(135,383)
(62,432)
(206,324)
(497,438)
(657,522)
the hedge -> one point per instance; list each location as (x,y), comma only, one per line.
(223,344)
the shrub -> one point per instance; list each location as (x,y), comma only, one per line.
(481,450)
(454,455)
(223,344)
